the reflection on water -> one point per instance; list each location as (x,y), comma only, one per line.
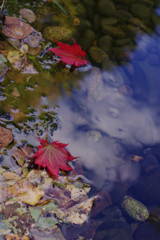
(108,114)
(102,122)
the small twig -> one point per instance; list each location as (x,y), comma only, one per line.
(58,5)
(1,7)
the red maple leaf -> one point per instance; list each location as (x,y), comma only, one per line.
(73,55)
(53,156)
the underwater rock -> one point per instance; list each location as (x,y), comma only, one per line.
(113,31)
(117,193)
(135,209)
(137,22)
(113,234)
(106,8)
(6,137)
(94,135)
(87,39)
(123,16)
(27,14)
(147,188)
(59,33)
(108,21)
(14,28)
(106,43)
(147,231)
(34,39)
(97,54)
(95,86)
(140,10)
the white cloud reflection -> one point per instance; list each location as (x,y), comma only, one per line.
(121,120)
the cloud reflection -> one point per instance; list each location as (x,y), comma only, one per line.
(120,120)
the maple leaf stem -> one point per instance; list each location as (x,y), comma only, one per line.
(58,5)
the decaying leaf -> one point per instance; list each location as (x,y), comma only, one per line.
(12,236)
(17,217)
(136,158)
(10,175)
(6,137)
(16,58)
(25,191)
(15,28)
(4,228)
(78,194)
(78,214)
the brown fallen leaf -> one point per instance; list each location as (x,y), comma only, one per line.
(25,191)
(15,28)
(136,158)
(10,175)
(16,237)
(6,137)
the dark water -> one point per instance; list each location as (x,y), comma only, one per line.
(108,112)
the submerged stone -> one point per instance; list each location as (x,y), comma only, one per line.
(57,32)
(135,209)
(28,14)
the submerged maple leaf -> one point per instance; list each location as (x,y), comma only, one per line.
(53,156)
(73,55)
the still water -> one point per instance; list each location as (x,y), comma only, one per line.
(108,111)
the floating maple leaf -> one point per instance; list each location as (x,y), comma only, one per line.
(53,156)
(73,55)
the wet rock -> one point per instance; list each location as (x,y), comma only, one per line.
(102,201)
(6,137)
(88,37)
(15,43)
(27,14)
(14,28)
(147,231)
(147,188)
(117,193)
(123,16)
(97,54)
(94,136)
(113,234)
(135,209)
(140,10)
(96,86)
(121,42)
(96,22)
(137,22)
(114,226)
(34,39)
(106,43)
(108,21)
(3,69)
(150,162)
(106,8)
(113,31)
(59,33)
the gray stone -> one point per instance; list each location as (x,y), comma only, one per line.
(34,39)
(28,14)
